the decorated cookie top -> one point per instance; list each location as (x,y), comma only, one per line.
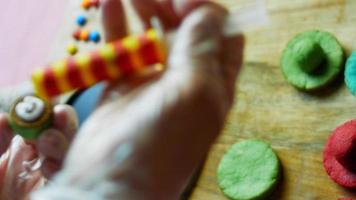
(312,59)
(30,115)
(30,109)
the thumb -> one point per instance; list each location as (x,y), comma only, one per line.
(198,41)
(198,55)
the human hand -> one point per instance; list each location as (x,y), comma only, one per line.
(149,135)
(26,165)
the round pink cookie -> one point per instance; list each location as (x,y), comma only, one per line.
(340,155)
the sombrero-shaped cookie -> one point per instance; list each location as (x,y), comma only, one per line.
(312,59)
(340,155)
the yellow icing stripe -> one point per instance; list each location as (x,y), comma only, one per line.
(107,52)
(153,36)
(37,80)
(60,71)
(83,62)
(132,44)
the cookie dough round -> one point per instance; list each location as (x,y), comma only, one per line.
(248,171)
(350,73)
(340,154)
(312,60)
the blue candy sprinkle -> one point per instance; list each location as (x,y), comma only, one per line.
(94,36)
(81,20)
(350,73)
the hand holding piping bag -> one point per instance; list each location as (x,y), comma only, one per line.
(149,134)
(129,56)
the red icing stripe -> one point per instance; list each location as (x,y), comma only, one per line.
(148,51)
(50,83)
(123,59)
(98,67)
(73,75)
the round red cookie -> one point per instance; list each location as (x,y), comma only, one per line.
(340,155)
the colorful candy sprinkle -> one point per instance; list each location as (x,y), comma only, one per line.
(76,34)
(95,3)
(86,4)
(81,20)
(94,36)
(84,35)
(72,49)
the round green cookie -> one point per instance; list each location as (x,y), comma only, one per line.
(312,59)
(248,171)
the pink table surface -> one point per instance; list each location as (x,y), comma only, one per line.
(27,31)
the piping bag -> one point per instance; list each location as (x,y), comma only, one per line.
(135,55)
(131,56)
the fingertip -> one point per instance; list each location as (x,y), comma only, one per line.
(50,167)
(164,10)
(6,133)
(52,144)
(184,7)
(65,114)
(146,9)
(4,121)
(114,20)
(200,37)
(233,51)
(66,120)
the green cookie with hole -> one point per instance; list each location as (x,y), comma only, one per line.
(312,60)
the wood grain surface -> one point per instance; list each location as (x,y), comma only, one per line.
(296,124)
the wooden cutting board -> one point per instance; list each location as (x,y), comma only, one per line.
(295,123)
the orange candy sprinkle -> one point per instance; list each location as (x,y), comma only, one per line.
(86,4)
(84,35)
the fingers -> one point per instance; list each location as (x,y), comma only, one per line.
(114,20)
(17,178)
(199,40)
(53,143)
(184,7)
(66,120)
(201,46)
(164,10)
(232,57)
(6,134)
(50,167)
(170,12)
